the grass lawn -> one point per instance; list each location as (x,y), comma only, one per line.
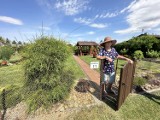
(11,75)
(15,58)
(71,64)
(146,65)
(136,107)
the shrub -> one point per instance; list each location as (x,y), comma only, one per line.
(6,52)
(152,54)
(124,51)
(12,96)
(139,81)
(138,54)
(46,81)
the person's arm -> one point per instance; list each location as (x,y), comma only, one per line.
(104,57)
(124,58)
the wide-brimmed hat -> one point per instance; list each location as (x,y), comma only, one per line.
(108,39)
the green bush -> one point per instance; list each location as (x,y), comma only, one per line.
(123,51)
(152,54)
(6,52)
(12,96)
(138,54)
(139,81)
(46,81)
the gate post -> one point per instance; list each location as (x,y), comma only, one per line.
(3,104)
(102,85)
(133,72)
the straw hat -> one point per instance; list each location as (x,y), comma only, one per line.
(108,39)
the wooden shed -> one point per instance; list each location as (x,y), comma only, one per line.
(86,48)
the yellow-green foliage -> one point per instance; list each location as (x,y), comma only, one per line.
(46,80)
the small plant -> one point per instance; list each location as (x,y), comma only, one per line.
(6,52)
(139,81)
(138,54)
(124,51)
(152,54)
(12,96)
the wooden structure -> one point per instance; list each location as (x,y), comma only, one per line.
(125,83)
(86,48)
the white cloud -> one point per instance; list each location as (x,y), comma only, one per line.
(128,7)
(143,14)
(107,15)
(98,25)
(89,22)
(11,20)
(91,33)
(83,20)
(72,7)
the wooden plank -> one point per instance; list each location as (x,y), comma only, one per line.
(120,90)
(133,72)
(101,79)
(125,86)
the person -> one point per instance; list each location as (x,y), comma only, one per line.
(109,54)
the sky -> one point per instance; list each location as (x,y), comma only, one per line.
(78,20)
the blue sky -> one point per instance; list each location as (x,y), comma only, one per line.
(78,20)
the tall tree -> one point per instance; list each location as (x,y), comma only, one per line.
(14,42)
(8,42)
(2,40)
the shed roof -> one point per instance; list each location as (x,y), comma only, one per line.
(86,43)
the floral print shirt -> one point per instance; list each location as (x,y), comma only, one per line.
(108,66)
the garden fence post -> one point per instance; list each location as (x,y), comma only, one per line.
(3,104)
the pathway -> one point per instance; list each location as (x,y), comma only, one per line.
(93,75)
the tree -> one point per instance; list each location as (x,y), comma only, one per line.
(14,42)
(142,43)
(2,40)
(6,52)
(19,42)
(8,41)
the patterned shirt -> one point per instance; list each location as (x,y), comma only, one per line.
(108,66)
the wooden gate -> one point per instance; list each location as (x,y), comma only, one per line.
(125,83)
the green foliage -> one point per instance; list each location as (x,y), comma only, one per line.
(8,42)
(16,57)
(139,81)
(123,51)
(2,40)
(12,96)
(46,80)
(6,52)
(143,43)
(14,42)
(152,54)
(138,54)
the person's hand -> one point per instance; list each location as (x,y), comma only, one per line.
(130,61)
(109,59)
